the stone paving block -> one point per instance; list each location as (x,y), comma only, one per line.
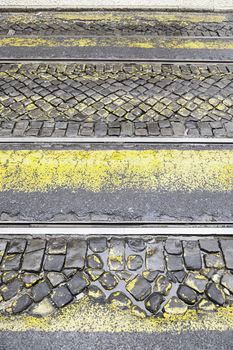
(192,255)
(98,244)
(154,256)
(21,304)
(16,246)
(116,254)
(40,290)
(61,296)
(3,245)
(11,289)
(139,287)
(173,246)
(78,283)
(209,245)
(227,249)
(32,261)
(54,262)
(56,246)
(35,244)
(11,262)
(76,253)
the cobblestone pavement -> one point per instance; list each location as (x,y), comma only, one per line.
(105,23)
(116,100)
(148,275)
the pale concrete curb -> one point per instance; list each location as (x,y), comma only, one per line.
(178,5)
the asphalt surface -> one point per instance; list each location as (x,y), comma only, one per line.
(106,49)
(199,340)
(126,205)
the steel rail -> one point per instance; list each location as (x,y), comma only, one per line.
(118,230)
(118,140)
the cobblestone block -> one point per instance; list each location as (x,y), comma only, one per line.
(139,287)
(61,296)
(54,262)
(11,262)
(154,256)
(78,283)
(32,261)
(108,281)
(21,304)
(192,255)
(227,249)
(98,244)
(40,290)
(17,246)
(216,294)
(116,255)
(76,253)
(11,289)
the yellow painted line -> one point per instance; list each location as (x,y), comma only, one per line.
(110,170)
(85,316)
(144,42)
(114,17)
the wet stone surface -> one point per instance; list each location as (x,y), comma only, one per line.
(147,275)
(115,100)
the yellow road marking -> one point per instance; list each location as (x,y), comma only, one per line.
(110,170)
(84,316)
(130,42)
(105,17)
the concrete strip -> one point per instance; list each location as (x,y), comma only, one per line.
(95,4)
(118,140)
(118,230)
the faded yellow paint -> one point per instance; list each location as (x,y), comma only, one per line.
(144,42)
(85,316)
(110,170)
(106,17)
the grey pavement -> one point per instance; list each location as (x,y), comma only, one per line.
(199,340)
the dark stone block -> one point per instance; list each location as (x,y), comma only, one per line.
(173,246)
(227,249)
(21,304)
(16,246)
(94,261)
(61,296)
(108,280)
(11,262)
(33,261)
(137,245)
(216,294)
(209,245)
(139,287)
(192,255)
(188,295)
(54,262)
(76,254)
(40,290)
(98,244)
(153,303)
(11,289)
(78,283)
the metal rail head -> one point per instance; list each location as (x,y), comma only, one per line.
(118,140)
